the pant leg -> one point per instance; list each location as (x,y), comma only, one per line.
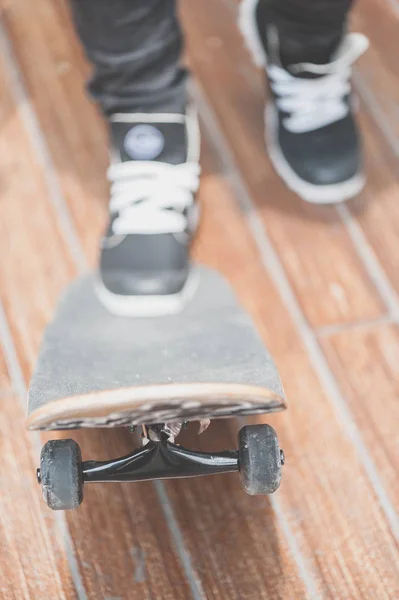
(309,30)
(135,48)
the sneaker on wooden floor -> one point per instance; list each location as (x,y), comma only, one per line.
(311,132)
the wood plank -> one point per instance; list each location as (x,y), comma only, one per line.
(379,67)
(32,554)
(315,248)
(28,228)
(377,211)
(57,90)
(322,465)
(111,532)
(366,362)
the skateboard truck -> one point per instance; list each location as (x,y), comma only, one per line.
(160,460)
(157,460)
(63,474)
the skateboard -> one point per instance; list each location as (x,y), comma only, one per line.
(153,375)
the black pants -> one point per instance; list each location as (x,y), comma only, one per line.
(135,46)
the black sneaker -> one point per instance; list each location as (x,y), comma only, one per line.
(311,133)
(154,175)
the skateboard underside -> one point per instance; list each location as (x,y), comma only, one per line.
(98,370)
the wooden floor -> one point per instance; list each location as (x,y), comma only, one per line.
(322,284)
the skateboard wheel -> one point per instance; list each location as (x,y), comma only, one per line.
(260,459)
(61,474)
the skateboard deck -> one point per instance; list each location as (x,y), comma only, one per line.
(99,370)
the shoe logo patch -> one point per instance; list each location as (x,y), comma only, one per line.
(144,142)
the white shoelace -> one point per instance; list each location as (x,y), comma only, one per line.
(316,102)
(151,197)
(311,103)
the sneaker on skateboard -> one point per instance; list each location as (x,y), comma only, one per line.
(154,174)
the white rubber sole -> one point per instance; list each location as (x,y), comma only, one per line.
(316,194)
(147,306)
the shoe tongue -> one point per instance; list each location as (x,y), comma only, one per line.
(146,137)
(350,49)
